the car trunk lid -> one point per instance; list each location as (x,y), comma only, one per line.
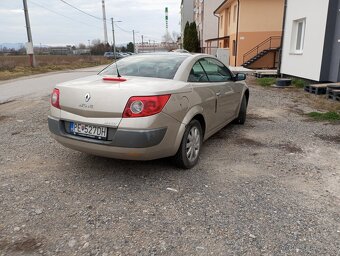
(98,98)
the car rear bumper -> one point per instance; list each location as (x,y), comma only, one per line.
(130,144)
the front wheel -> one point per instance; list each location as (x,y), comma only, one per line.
(189,151)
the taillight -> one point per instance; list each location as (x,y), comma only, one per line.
(55,98)
(141,106)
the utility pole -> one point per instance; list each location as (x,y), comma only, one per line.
(134,41)
(104,21)
(113,35)
(142,43)
(29,46)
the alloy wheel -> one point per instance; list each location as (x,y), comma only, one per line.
(193,144)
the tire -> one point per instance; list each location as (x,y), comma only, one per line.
(189,151)
(242,115)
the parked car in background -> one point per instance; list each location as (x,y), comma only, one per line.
(124,54)
(110,55)
(181,51)
(149,106)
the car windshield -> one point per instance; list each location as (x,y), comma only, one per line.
(157,66)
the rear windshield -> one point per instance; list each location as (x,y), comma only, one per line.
(157,66)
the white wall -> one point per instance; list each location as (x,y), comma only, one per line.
(187,14)
(210,21)
(198,18)
(308,64)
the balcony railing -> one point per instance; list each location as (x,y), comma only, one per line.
(271,43)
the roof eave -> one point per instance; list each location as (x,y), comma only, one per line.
(224,2)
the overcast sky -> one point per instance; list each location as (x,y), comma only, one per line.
(55,23)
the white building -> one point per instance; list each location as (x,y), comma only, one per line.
(210,25)
(187,15)
(311,45)
(207,23)
(199,19)
(148,47)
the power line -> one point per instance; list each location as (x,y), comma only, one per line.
(124,30)
(98,18)
(57,13)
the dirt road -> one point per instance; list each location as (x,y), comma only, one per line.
(271,187)
(40,85)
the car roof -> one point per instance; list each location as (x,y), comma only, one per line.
(166,53)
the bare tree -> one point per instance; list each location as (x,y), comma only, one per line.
(96,41)
(81,46)
(167,38)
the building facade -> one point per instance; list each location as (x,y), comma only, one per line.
(210,26)
(311,45)
(199,19)
(187,15)
(251,30)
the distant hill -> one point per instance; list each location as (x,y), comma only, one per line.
(15,46)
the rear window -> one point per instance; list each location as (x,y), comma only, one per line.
(157,66)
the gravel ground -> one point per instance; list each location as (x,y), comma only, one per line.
(270,187)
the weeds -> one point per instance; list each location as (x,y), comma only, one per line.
(328,116)
(266,81)
(18,66)
(299,83)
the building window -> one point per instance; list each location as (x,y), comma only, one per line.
(235,13)
(298,36)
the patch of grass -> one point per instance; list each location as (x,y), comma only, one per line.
(299,83)
(17,66)
(328,116)
(266,81)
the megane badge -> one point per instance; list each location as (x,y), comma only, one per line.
(87,97)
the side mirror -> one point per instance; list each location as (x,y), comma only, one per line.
(240,77)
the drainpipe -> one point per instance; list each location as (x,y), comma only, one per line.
(237,28)
(218,31)
(282,36)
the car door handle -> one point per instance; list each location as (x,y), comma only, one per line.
(218,94)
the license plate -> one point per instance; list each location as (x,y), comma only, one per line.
(90,131)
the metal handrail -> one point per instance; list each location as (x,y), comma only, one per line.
(265,42)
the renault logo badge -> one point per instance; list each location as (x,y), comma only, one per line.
(87,97)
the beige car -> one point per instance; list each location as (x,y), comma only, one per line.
(149,106)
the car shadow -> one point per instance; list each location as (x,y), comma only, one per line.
(136,175)
(110,165)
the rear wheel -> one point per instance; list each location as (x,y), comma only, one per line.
(242,116)
(189,151)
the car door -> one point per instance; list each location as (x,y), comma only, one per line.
(204,94)
(225,89)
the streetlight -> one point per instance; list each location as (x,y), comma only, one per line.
(113,36)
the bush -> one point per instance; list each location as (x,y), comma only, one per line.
(191,40)
(266,81)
